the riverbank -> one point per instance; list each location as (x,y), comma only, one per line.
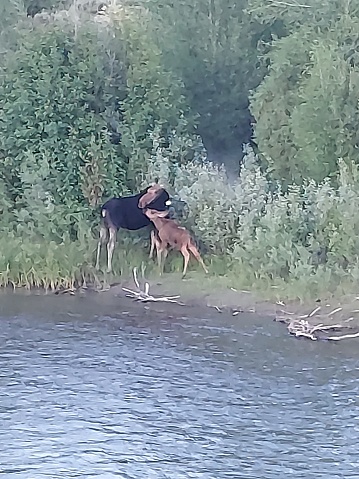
(202,296)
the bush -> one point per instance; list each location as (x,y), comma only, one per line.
(306,107)
(89,110)
(74,131)
(269,236)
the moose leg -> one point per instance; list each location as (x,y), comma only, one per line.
(161,256)
(196,254)
(110,248)
(101,241)
(186,256)
(164,256)
(158,246)
(153,242)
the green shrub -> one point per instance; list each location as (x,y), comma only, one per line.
(74,130)
(265,236)
(91,107)
(306,107)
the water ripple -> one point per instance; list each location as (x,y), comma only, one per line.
(91,396)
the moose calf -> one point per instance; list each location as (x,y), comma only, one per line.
(171,235)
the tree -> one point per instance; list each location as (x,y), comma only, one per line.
(306,107)
(154,101)
(211,45)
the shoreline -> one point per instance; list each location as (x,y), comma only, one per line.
(208,293)
(201,296)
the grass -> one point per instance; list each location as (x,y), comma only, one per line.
(224,275)
(28,263)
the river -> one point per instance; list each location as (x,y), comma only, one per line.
(97,392)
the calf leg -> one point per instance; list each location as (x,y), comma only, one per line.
(158,247)
(154,243)
(152,236)
(196,254)
(101,241)
(161,256)
(186,256)
(164,256)
(110,248)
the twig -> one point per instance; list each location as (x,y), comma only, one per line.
(145,296)
(287,4)
(322,327)
(314,311)
(345,336)
(306,335)
(303,316)
(300,327)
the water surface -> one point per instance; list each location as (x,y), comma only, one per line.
(93,392)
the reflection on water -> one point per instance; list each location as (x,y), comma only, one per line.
(85,395)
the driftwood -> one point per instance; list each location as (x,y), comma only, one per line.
(144,295)
(299,326)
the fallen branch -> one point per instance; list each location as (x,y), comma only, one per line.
(277,3)
(345,336)
(144,295)
(300,326)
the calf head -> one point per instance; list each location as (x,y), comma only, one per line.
(152,194)
(151,214)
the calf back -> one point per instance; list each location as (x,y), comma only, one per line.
(173,235)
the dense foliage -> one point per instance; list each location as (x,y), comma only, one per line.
(308,236)
(212,46)
(98,101)
(306,107)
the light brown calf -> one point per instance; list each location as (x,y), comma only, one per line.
(155,240)
(171,235)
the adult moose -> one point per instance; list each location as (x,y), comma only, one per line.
(126,212)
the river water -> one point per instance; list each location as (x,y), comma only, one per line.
(90,392)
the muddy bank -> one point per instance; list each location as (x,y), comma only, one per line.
(206,297)
(201,297)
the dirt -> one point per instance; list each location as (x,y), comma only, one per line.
(205,296)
